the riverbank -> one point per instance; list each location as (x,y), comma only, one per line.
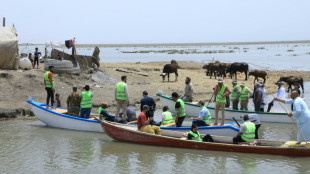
(18,85)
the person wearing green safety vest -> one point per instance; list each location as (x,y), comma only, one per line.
(49,86)
(247,131)
(195,135)
(166,116)
(220,92)
(235,94)
(244,97)
(179,109)
(121,98)
(103,114)
(86,103)
(204,118)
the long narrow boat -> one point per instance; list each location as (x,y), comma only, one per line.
(58,118)
(132,135)
(193,109)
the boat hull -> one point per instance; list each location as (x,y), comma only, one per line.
(194,110)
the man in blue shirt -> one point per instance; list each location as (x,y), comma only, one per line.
(36,57)
(149,101)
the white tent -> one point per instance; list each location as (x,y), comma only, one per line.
(8,48)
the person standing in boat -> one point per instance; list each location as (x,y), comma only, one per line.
(235,94)
(74,103)
(189,90)
(166,116)
(220,91)
(247,131)
(300,112)
(195,135)
(179,109)
(262,106)
(244,97)
(280,95)
(49,86)
(143,122)
(258,97)
(204,118)
(121,98)
(146,100)
(86,102)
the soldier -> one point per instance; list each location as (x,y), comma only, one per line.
(73,103)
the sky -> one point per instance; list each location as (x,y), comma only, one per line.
(157,21)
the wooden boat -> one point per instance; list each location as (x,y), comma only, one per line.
(193,109)
(58,118)
(172,139)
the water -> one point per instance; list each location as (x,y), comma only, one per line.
(31,147)
(286,56)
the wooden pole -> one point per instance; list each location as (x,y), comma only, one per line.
(3,21)
(292,121)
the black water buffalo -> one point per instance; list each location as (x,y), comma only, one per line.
(258,73)
(290,80)
(238,67)
(170,68)
(217,68)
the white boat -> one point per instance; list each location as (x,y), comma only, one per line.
(193,109)
(57,118)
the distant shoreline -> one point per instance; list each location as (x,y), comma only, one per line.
(180,44)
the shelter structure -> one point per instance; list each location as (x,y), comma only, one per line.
(8,48)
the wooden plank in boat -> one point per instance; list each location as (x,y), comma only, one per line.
(167,125)
(61,111)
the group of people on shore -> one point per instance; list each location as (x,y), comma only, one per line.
(81,103)
(34,61)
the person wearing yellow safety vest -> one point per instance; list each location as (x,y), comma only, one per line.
(204,118)
(103,114)
(195,135)
(244,97)
(220,92)
(247,131)
(179,109)
(121,98)
(86,103)
(49,86)
(235,94)
(166,116)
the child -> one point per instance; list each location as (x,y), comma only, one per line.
(166,116)
(57,101)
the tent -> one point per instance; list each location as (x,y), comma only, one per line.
(8,48)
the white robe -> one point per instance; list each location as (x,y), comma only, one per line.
(301,114)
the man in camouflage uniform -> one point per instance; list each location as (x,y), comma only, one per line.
(73,103)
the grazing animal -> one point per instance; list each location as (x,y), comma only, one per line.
(217,68)
(258,73)
(238,67)
(170,68)
(290,80)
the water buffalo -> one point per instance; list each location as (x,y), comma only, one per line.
(170,68)
(217,68)
(290,80)
(258,73)
(238,66)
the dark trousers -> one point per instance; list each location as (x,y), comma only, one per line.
(149,114)
(257,106)
(235,104)
(180,121)
(50,95)
(238,139)
(256,130)
(208,138)
(85,112)
(262,109)
(269,106)
(200,123)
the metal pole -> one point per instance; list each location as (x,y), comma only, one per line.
(3,21)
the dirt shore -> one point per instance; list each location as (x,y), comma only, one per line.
(17,85)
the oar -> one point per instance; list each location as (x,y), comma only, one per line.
(292,121)
(236,122)
(132,122)
(167,125)
(210,100)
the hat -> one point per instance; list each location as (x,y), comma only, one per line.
(220,81)
(146,107)
(242,83)
(234,81)
(278,82)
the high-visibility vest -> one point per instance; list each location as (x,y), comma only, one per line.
(220,93)
(234,94)
(182,114)
(206,118)
(100,110)
(196,136)
(120,91)
(47,80)
(244,95)
(86,101)
(168,118)
(249,134)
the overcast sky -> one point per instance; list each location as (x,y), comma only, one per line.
(158,21)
